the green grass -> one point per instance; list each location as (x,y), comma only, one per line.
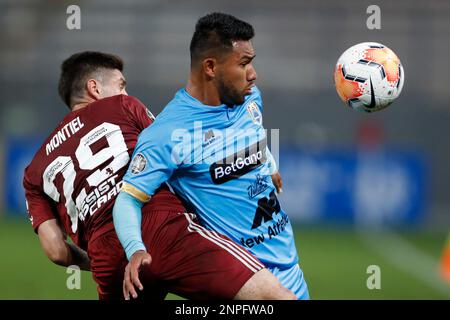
(334,262)
(26,273)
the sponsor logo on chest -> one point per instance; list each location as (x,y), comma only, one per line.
(239,163)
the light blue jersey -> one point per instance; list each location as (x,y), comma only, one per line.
(216,159)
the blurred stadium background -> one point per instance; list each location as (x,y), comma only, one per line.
(361,189)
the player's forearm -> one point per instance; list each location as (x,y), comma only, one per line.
(54,243)
(127,222)
(67,254)
(78,257)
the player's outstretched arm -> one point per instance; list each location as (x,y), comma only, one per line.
(58,250)
(127,222)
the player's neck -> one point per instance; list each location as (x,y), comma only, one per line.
(79,106)
(203,91)
(82,104)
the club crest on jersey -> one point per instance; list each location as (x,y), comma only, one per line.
(255,113)
(138,164)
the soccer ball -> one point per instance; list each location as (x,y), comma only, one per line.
(368,77)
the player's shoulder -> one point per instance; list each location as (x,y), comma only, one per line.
(162,127)
(113,103)
(130,101)
(177,111)
(173,117)
(106,108)
(120,109)
(34,170)
(30,174)
(134,105)
(181,102)
(117,99)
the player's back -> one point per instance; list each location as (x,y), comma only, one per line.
(79,167)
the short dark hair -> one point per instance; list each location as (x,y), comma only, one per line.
(78,67)
(217,31)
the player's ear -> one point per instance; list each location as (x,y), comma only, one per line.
(93,89)
(209,67)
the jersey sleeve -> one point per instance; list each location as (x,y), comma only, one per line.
(127,219)
(153,162)
(137,112)
(40,208)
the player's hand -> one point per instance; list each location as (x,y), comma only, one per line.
(278,182)
(131,278)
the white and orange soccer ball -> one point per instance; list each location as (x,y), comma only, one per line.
(369,77)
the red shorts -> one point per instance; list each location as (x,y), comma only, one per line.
(187,260)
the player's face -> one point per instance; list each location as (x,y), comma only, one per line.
(113,83)
(236,74)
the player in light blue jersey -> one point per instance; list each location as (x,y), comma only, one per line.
(210,145)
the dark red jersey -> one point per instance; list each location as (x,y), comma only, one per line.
(77,173)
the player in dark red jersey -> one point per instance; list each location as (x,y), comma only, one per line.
(75,176)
